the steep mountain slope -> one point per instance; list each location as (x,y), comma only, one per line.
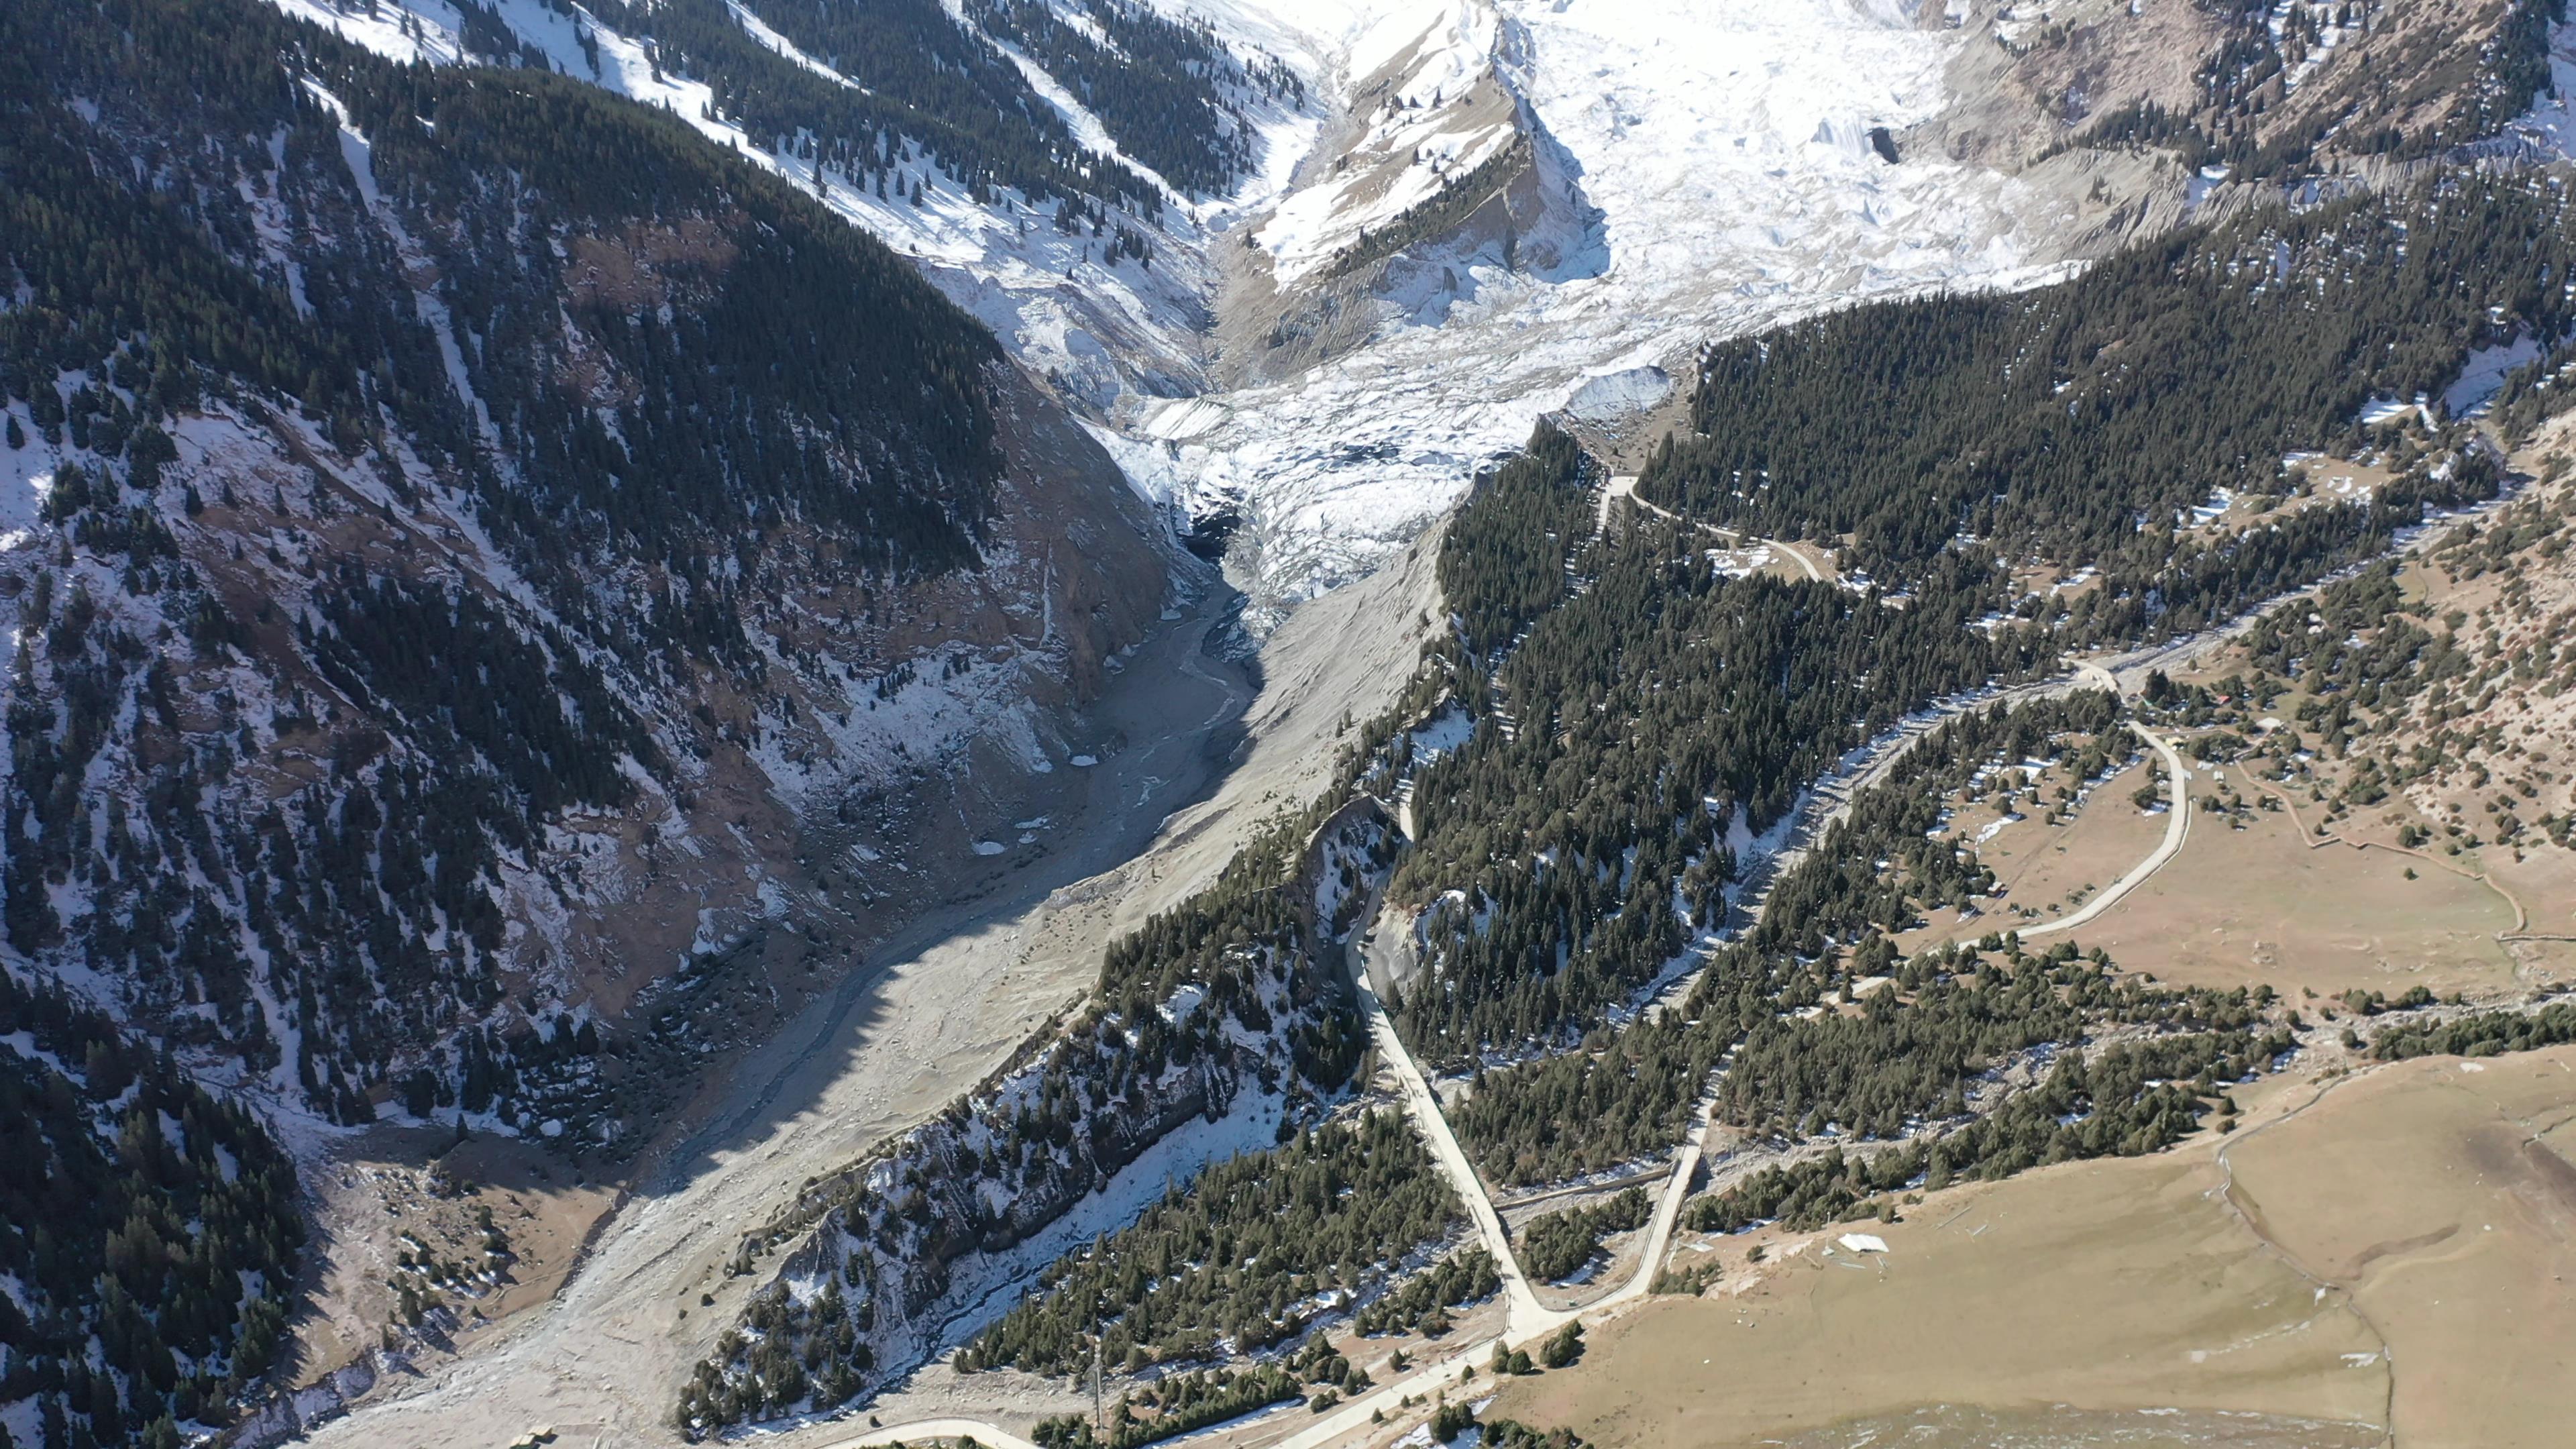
(144,1215)
(1694,172)
(1378,238)
(1530,201)
(1493,202)
(505,591)
(2257,92)
(1217,1026)
(477,552)
(1011,149)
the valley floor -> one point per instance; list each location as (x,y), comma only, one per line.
(950,998)
(943,1004)
(2328,1268)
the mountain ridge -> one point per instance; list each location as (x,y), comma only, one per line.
(387,572)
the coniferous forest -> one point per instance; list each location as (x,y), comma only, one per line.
(556,390)
(741,364)
(420,443)
(1166,90)
(1584,835)
(151,1233)
(929,99)
(2075,421)
(1638,713)
(1246,1253)
(1207,1008)
(1655,711)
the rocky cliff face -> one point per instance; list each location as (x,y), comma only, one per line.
(1439,168)
(2271,93)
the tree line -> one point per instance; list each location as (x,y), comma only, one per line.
(2070,421)
(2485,1034)
(2129,1100)
(1179,1403)
(918,89)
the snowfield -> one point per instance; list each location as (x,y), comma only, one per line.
(1724,147)
(1707,168)
(1719,177)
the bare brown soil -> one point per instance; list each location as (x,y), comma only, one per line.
(2048,870)
(2439,1196)
(398,1193)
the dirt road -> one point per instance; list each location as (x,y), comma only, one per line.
(922,1430)
(1625,486)
(1524,1313)
(2177,829)
(1527,1320)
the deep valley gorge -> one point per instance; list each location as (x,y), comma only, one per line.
(1076,723)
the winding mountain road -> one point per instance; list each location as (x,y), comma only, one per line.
(1625,486)
(2177,830)
(1526,1320)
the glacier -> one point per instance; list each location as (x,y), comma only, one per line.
(1726,182)
(1709,170)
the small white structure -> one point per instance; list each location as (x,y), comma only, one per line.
(1863,1242)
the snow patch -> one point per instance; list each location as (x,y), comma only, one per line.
(1616,395)
(2482,377)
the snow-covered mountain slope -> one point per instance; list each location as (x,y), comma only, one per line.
(1701,168)
(1098,316)
(1705,168)
(1454,216)
(478,555)
(1425,111)
(1687,170)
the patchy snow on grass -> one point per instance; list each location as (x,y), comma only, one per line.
(2551,121)
(2388,410)
(1442,733)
